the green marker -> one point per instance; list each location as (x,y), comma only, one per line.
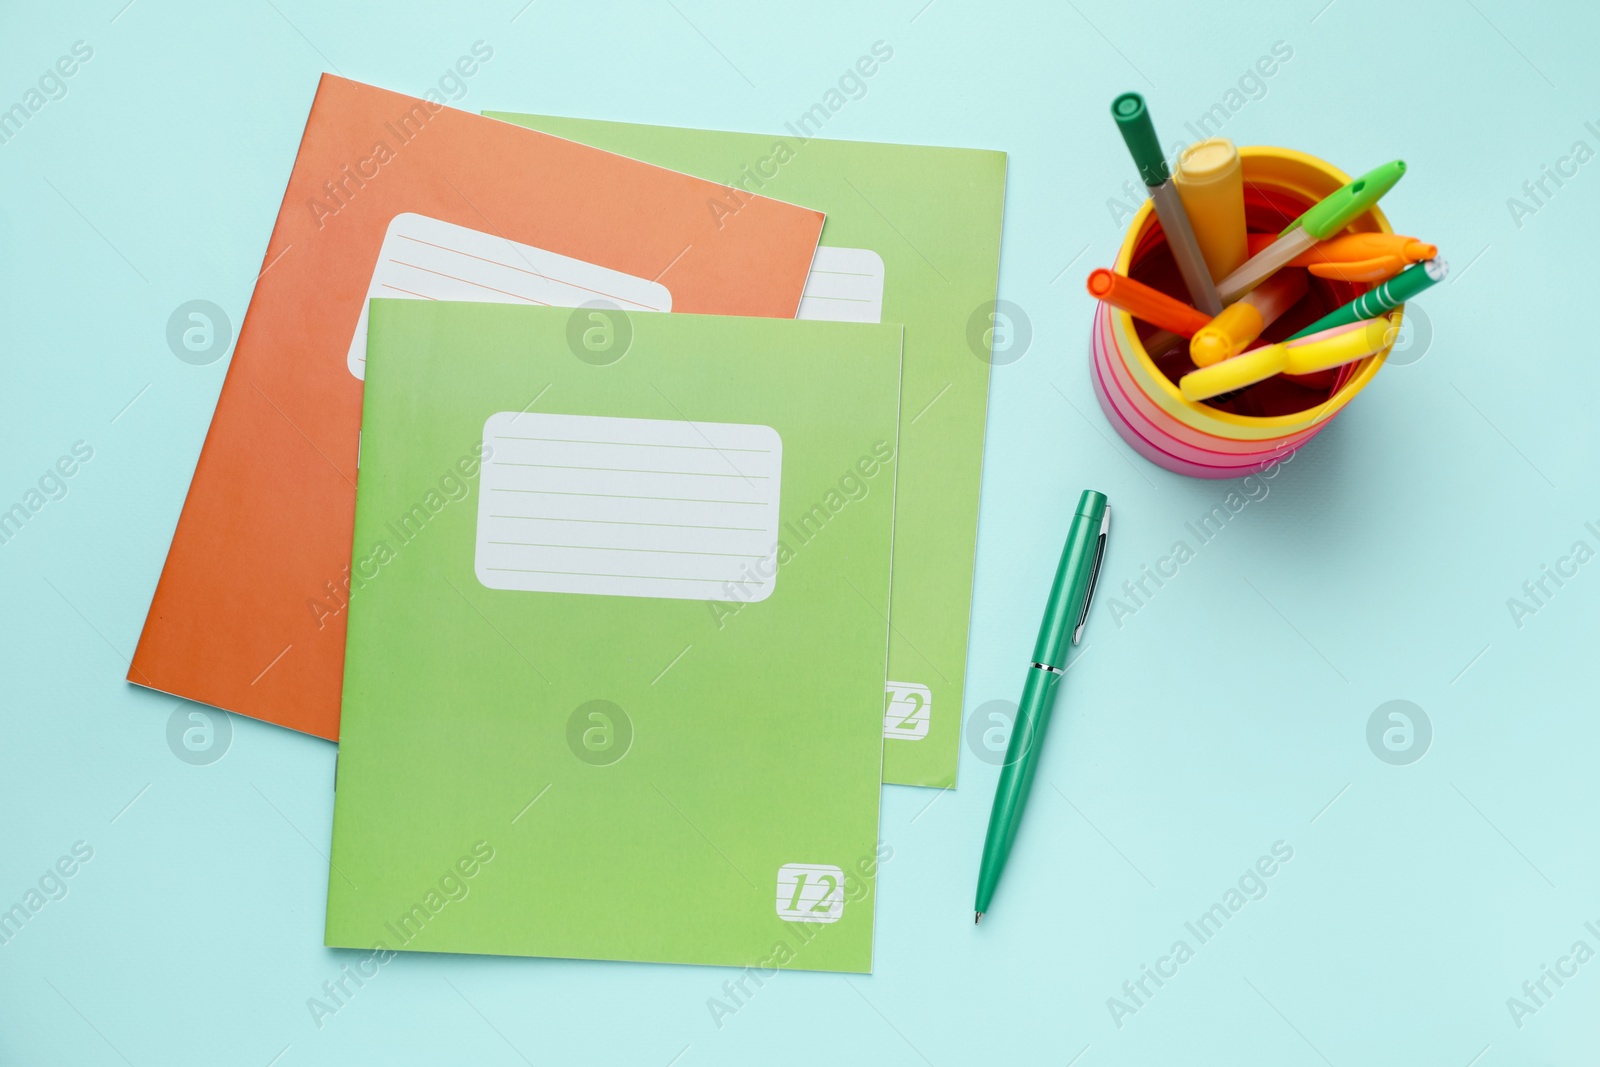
(1391,294)
(1332,214)
(1064,615)
(1133,119)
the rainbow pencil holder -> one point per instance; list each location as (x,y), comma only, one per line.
(1226,437)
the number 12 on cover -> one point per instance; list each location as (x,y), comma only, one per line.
(810,893)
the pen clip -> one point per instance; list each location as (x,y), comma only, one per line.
(1094,575)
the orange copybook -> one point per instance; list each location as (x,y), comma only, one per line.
(400,197)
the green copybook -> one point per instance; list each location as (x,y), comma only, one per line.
(912,236)
(618,633)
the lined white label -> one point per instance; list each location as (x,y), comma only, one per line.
(908,708)
(629,507)
(845,285)
(424,258)
(810,893)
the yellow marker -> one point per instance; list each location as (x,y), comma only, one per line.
(1321,351)
(1210,182)
(1336,347)
(1240,323)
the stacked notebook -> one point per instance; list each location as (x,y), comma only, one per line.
(620,532)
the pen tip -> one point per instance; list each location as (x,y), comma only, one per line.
(977,917)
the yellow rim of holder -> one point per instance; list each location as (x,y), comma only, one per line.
(1285,170)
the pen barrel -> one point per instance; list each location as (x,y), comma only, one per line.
(1016,778)
(1386,297)
(1185,249)
(1259,267)
(1069,593)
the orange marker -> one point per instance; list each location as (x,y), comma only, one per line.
(1143,302)
(1242,322)
(1356,257)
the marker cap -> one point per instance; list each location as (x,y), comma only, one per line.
(1133,119)
(1338,210)
(1210,179)
(1212,160)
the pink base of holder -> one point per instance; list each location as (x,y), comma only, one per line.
(1161,438)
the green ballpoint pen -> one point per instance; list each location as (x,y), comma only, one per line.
(1065,613)
(1386,297)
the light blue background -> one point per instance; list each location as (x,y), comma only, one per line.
(1227,714)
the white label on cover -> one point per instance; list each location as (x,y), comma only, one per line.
(810,893)
(907,710)
(425,258)
(629,507)
(845,285)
